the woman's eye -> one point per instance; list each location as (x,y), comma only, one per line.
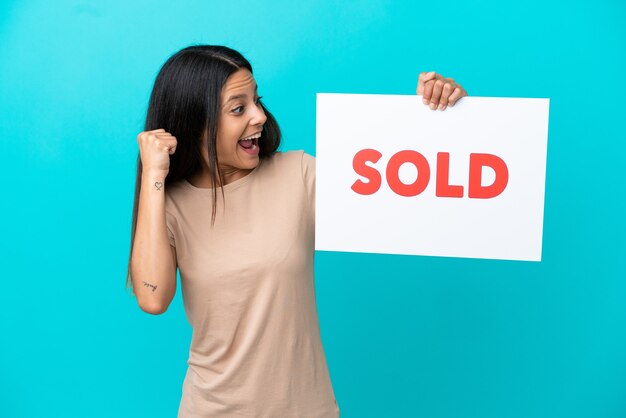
(258,100)
(238,109)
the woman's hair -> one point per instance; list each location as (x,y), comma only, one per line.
(185,101)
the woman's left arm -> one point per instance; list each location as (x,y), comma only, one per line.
(437,91)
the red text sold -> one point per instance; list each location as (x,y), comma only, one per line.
(475,188)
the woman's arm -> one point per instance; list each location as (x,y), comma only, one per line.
(153,260)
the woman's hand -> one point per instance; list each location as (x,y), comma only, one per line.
(438,91)
(155,148)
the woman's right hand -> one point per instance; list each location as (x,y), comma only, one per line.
(155,148)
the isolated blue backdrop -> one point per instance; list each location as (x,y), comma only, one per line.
(404,336)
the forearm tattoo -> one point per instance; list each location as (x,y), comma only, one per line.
(153,286)
(158,185)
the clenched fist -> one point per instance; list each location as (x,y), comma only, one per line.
(155,148)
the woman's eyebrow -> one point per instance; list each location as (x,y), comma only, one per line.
(237,96)
(240,96)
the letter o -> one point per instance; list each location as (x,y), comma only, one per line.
(423,173)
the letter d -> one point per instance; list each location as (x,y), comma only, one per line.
(476,190)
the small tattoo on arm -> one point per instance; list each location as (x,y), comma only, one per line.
(153,286)
(158,185)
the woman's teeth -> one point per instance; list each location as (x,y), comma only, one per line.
(253,136)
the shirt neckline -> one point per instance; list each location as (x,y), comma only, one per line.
(233,185)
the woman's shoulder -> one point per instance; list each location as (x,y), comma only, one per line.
(292,155)
(296,164)
(294,159)
(175,193)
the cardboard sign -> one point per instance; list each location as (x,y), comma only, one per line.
(395,177)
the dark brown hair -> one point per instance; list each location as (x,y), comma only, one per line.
(185,101)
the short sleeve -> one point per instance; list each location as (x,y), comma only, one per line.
(308,176)
(170,222)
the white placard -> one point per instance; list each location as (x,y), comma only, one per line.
(389,207)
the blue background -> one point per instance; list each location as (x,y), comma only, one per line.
(404,336)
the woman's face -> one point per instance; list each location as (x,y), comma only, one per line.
(241,120)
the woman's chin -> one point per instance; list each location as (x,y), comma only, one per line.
(252,163)
(249,158)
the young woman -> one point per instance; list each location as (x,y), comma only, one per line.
(216,200)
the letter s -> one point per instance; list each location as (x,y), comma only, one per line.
(370,173)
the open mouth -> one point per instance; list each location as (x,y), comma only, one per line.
(250,144)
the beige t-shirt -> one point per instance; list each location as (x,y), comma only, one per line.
(249,295)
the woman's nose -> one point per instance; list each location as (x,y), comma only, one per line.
(259,117)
